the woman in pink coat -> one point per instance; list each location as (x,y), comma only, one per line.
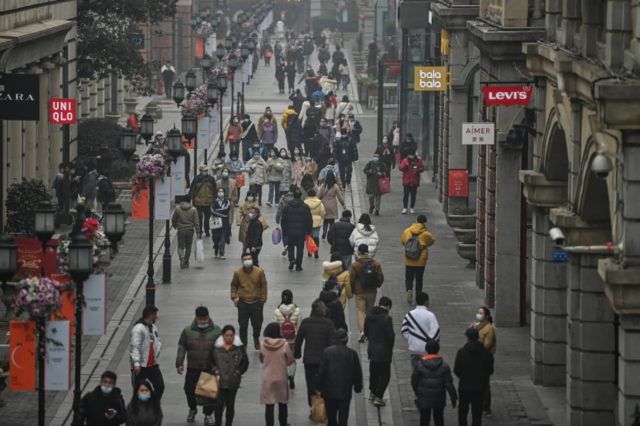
(275,356)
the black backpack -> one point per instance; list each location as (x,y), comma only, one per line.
(106,192)
(313,116)
(292,121)
(369,276)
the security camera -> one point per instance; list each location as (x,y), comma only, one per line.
(557,236)
(601,166)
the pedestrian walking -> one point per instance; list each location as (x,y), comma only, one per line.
(416,240)
(386,155)
(330,193)
(185,220)
(256,167)
(335,311)
(473,367)
(89,186)
(378,330)
(316,333)
(234,134)
(231,362)
(275,356)
(354,128)
(340,374)
(419,326)
(365,233)
(275,168)
(203,191)
(103,406)
(408,146)
(335,269)
(167,72)
(236,168)
(248,294)
(280,76)
(375,170)
(253,242)
(196,343)
(487,336)
(346,152)
(228,182)
(317,213)
(344,74)
(144,351)
(287,173)
(289,316)
(218,163)
(297,223)
(328,83)
(297,98)
(290,70)
(268,53)
(366,277)
(284,200)
(431,379)
(222,213)
(268,129)
(411,168)
(338,237)
(249,136)
(144,407)
(243,213)
(344,106)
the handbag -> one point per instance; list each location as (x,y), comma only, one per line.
(318,410)
(207,386)
(216,222)
(239,181)
(276,236)
(199,251)
(312,247)
(384,184)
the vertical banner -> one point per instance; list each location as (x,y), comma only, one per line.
(94,314)
(29,257)
(210,45)
(22,356)
(163,199)
(67,310)
(177,177)
(140,203)
(57,372)
(203,140)
(199,46)
(214,123)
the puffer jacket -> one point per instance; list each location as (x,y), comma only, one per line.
(357,269)
(230,364)
(95,404)
(362,236)
(291,311)
(316,332)
(335,269)
(281,205)
(297,220)
(197,344)
(275,168)
(142,336)
(378,327)
(257,169)
(285,116)
(185,217)
(335,312)
(430,379)
(424,238)
(340,373)
(411,175)
(317,210)
(268,130)
(328,84)
(203,190)
(338,237)
(487,335)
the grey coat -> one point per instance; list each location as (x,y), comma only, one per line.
(230,364)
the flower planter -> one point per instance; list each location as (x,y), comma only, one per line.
(466,236)
(130,106)
(465,221)
(467,251)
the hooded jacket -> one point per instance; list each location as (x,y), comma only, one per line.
(378,327)
(362,236)
(142,336)
(338,236)
(185,217)
(275,355)
(230,364)
(335,269)
(411,176)
(297,221)
(285,116)
(316,332)
(406,146)
(425,239)
(430,379)
(94,406)
(419,326)
(197,344)
(317,210)
(257,169)
(297,100)
(340,373)
(473,366)
(357,268)
(203,190)
(335,311)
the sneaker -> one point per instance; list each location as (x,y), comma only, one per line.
(222,257)
(362,338)
(412,211)
(404,211)
(191,417)
(292,383)
(215,256)
(372,396)
(268,203)
(256,343)
(298,268)
(409,297)
(379,402)
(208,421)
(291,266)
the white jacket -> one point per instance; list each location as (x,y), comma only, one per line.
(141,338)
(292,311)
(362,236)
(419,326)
(344,108)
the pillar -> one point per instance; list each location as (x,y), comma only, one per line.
(629,367)
(107,94)
(93,99)
(31,136)
(490,229)
(481,211)
(42,147)
(120,95)
(100,98)
(83,89)
(16,148)
(56,130)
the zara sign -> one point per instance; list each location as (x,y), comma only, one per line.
(19,97)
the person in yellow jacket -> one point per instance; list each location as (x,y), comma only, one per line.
(285,116)
(416,241)
(336,269)
(487,336)
(317,213)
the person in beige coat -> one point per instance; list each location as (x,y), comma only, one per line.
(229,184)
(330,193)
(487,336)
(185,220)
(275,356)
(317,213)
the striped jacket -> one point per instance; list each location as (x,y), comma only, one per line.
(419,326)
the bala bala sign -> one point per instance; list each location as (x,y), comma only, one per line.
(507,95)
(19,97)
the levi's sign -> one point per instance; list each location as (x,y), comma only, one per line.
(62,111)
(507,95)
(478,133)
(432,79)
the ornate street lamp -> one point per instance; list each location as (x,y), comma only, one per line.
(228,43)
(174,141)
(178,93)
(114,224)
(189,126)
(146,127)
(212,93)
(244,52)
(190,81)
(233,63)
(205,62)
(45,221)
(221,83)
(8,259)
(128,142)
(220,51)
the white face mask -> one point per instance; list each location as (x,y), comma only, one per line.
(479,317)
(247,263)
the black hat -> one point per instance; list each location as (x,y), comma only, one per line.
(340,334)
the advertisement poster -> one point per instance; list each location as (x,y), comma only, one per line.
(204,130)
(22,356)
(57,372)
(162,210)
(177,177)
(140,204)
(210,45)
(458,183)
(94,313)
(67,310)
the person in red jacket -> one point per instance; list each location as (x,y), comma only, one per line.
(411,168)
(133,124)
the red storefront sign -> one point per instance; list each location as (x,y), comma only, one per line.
(458,183)
(62,111)
(507,95)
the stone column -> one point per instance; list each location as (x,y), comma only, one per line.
(120,96)
(15,144)
(93,99)
(55,149)
(107,94)
(490,229)
(629,367)
(83,89)
(481,210)
(43,153)
(30,134)
(100,98)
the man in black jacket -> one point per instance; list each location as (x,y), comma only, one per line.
(346,152)
(473,366)
(253,243)
(338,238)
(297,98)
(378,329)
(339,374)
(103,406)
(407,146)
(297,223)
(315,332)
(335,312)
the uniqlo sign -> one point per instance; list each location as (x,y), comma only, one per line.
(62,111)
(507,95)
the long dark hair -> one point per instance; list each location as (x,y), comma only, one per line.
(330,180)
(272,331)
(365,220)
(487,314)
(134,404)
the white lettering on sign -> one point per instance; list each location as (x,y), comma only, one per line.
(500,96)
(430,79)
(478,133)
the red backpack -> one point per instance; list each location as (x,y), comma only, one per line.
(288,328)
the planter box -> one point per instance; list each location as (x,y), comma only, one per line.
(465,221)
(130,106)
(466,236)
(467,251)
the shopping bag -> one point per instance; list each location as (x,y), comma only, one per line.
(312,247)
(199,251)
(398,158)
(216,222)
(384,184)
(207,385)
(318,411)
(240,180)
(276,236)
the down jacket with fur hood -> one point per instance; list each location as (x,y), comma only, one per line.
(230,364)
(361,236)
(335,269)
(291,311)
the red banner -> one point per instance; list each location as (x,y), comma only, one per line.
(507,95)
(30,258)
(22,356)
(199,47)
(458,183)
(140,203)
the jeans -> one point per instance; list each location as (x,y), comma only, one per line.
(274,189)
(364,302)
(409,190)
(346,168)
(296,252)
(337,411)
(315,234)
(190,381)
(246,312)
(155,377)
(412,273)
(346,260)
(204,215)
(226,400)
(220,237)
(311,376)
(283,413)
(438,416)
(379,376)
(475,399)
(374,202)
(185,241)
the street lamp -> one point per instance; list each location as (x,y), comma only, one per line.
(228,43)
(190,130)
(190,81)
(146,127)
(205,63)
(114,224)
(233,66)
(212,93)
(128,143)
(8,259)
(45,221)
(220,51)
(178,93)
(222,87)
(174,141)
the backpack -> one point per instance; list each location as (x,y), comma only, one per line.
(106,192)
(369,277)
(292,121)
(313,116)
(412,249)
(288,328)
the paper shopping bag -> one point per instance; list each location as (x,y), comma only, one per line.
(207,386)
(318,410)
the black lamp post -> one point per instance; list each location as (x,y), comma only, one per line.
(220,51)
(8,258)
(178,93)
(205,63)
(228,43)
(114,224)
(190,81)
(244,54)
(151,286)
(222,87)
(128,143)
(212,98)
(146,127)
(174,141)
(189,130)
(233,66)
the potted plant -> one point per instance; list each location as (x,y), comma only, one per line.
(462,217)
(367,86)
(154,110)
(22,199)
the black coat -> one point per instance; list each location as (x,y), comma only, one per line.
(254,234)
(339,373)
(297,101)
(430,379)
(338,237)
(335,311)
(317,333)
(378,327)
(473,366)
(297,221)
(355,132)
(345,150)
(95,404)
(406,147)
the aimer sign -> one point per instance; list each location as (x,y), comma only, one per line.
(433,79)
(62,111)
(478,133)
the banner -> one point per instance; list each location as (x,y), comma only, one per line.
(507,95)
(67,310)
(202,140)
(210,45)
(140,203)
(478,133)
(177,177)
(19,97)
(458,183)
(57,372)
(94,314)
(432,79)
(199,47)
(29,257)
(162,210)
(22,356)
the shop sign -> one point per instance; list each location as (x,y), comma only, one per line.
(478,133)
(458,183)
(432,79)
(507,95)
(19,97)
(62,111)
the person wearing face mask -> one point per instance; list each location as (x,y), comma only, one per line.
(223,212)
(330,296)
(280,76)
(185,220)
(341,125)
(234,134)
(249,134)
(374,170)
(144,407)
(355,129)
(291,124)
(268,129)
(144,351)
(103,406)
(243,212)
(411,168)
(408,146)
(249,294)
(257,169)
(253,240)
(197,342)
(386,155)
(487,336)
(298,164)
(275,168)
(202,191)
(287,173)
(346,152)
(228,183)
(218,163)
(236,168)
